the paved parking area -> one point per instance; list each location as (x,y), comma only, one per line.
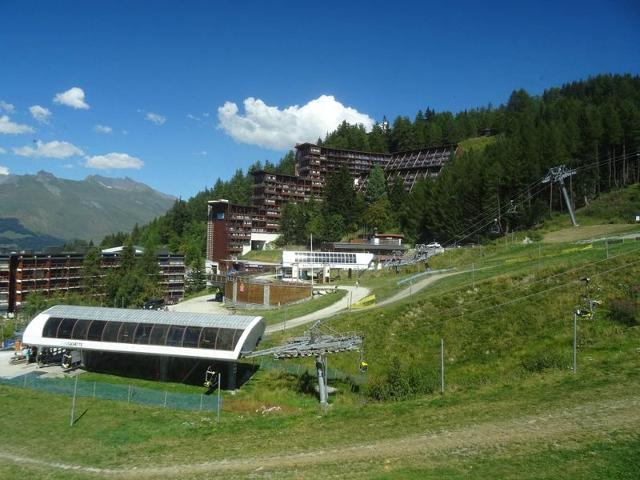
(7,370)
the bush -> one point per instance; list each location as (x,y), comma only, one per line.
(624,311)
(539,361)
(399,383)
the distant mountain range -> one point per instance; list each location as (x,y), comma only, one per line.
(37,211)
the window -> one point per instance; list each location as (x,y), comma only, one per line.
(174,337)
(95,330)
(51,327)
(125,334)
(110,333)
(191,336)
(208,337)
(236,337)
(66,327)
(225,339)
(158,334)
(80,330)
(142,333)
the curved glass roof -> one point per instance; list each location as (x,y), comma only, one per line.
(239,322)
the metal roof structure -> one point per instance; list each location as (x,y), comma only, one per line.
(146,332)
(150,316)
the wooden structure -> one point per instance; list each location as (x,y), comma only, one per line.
(239,291)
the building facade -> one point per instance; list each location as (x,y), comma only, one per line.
(233,230)
(24,274)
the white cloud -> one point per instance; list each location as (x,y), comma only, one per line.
(2,150)
(102,129)
(8,127)
(271,127)
(155,118)
(74,98)
(54,149)
(114,160)
(7,107)
(39,113)
(4,170)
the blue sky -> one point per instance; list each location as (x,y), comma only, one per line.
(163,77)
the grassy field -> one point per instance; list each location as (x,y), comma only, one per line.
(297,310)
(511,408)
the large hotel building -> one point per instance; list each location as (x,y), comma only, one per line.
(233,230)
(22,274)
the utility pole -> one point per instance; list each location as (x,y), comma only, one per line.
(557,175)
(311,264)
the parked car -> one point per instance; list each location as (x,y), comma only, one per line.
(154,304)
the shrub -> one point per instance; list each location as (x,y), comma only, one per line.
(624,311)
(544,360)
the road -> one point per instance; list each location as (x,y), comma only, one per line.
(354,294)
(204,304)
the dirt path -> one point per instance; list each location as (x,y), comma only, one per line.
(577,422)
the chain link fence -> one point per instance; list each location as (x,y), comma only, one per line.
(118,393)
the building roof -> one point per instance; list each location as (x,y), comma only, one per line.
(389,235)
(138,249)
(147,332)
(151,316)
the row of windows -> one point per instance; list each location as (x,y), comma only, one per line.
(142,333)
(326,257)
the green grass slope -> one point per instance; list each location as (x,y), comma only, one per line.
(611,213)
(511,409)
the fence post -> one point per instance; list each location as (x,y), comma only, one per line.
(575,341)
(201,401)
(94,389)
(73,402)
(165,399)
(218,402)
(442,366)
(129,394)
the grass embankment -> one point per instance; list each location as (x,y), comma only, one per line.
(609,214)
(272,256)
(508,383)
(287,312)
(477,143)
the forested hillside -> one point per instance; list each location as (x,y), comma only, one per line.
(591,125)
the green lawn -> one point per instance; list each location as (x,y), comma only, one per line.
(511,409)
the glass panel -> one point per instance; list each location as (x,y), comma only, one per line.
(191,336)
(95,330)
(174,337)
(158,334)
(51,327)
(143,332)
(110,333)
(236,337)
(208,337)
(80,330)
(225,339)
(125,335)
(66,327)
